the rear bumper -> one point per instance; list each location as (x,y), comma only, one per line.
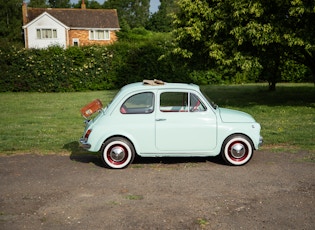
(84,144)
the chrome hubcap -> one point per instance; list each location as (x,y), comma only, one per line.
(117,153)
(238,150)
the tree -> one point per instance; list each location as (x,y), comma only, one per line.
(59,3)
(89,4)
(38,3)
(161,20)
(246,35)
(10,21)
(301,36)
(131,13)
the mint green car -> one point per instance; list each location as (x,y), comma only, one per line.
(158,119)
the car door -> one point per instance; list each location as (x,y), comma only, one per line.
(184,123)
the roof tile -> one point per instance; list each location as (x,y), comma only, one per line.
(79,18)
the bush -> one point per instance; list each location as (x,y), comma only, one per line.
(135,61)
(206,77)
(139,54)
(55,69)
(135,57)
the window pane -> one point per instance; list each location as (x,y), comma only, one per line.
(100,35)
(49,33)
(195,104)
(54,33)
(174,102)
(139,103)
(38,34)
(106,34)
(46,33)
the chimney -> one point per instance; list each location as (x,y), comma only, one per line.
(24,13)
(83,6)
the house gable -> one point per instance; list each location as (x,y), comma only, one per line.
(46,31)
(43,20)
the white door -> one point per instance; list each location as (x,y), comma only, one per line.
(184,124)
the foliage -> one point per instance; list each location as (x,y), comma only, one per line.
(161,21)
(90,4)
(59,3)
(246,36)
(38,3)
(300,37)
(10,21)
(137,56)
(55,69)
(206,77)
(131,13)
(49,3)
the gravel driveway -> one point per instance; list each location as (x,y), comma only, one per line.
(273,191)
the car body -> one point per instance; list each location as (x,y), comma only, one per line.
(158,119)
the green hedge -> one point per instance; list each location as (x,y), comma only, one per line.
(55,69)
(109,67)
(85,68)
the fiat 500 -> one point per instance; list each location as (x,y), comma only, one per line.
(158,119)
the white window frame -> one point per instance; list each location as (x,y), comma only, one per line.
(46,33)
(75,40)
(101,35)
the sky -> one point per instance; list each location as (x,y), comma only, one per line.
(154,4)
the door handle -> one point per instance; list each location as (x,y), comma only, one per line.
(160,119)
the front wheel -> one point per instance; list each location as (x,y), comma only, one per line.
(117,153)
(237,150)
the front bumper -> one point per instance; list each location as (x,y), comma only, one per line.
(261,141)
(84,144)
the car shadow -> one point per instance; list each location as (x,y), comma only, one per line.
(80,155)
(177,160)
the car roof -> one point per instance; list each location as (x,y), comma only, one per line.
(158,84)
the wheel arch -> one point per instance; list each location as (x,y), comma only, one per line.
(119,136)
(235,134)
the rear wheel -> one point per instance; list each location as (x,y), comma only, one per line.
(117,153)
(237,150)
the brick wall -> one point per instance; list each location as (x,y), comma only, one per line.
(83,37)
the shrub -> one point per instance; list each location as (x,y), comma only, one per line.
(55,69)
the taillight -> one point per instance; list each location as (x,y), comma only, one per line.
(87,134)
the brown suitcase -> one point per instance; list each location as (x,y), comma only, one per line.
(91,108)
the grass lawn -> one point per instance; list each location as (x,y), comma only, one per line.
(51,122)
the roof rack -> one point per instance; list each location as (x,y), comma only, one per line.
(153,82)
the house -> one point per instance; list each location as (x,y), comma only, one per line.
(45,27)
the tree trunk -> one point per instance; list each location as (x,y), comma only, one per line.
(272,85)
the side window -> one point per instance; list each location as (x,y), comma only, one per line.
(174,102)
(196,104)
(142,103)
(181,102)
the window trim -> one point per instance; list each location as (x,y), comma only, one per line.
(141,110)
(181,108)
(75,40)
(40,33)
(93,35)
